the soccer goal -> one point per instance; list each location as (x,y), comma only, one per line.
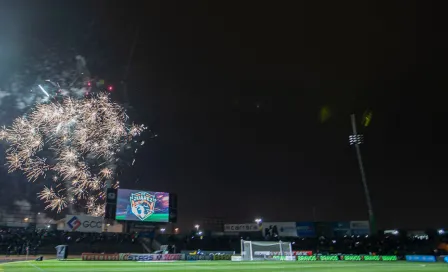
(264,250)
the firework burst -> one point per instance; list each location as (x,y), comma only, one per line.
(77,141)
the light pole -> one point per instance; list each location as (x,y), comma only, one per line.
(357,139)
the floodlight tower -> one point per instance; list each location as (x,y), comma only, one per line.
(357,139)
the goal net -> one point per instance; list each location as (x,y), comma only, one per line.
(263,250)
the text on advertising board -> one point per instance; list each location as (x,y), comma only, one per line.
(151,257)
(99,257)
(83,223)
(241,227)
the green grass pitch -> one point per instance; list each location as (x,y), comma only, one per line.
(218,266)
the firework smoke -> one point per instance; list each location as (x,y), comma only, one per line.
(76,143)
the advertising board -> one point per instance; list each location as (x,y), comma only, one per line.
(199,257)
(142,206)
(359,227)
(221,257)
(237,259)
(347,258)
(421,258)
(150,257)
(277,253)
(99,257)
(249,227)
(284,229)
(340,229)
(284,258)
(83,223)
(207,252)
(305,229)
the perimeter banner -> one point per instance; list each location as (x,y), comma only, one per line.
(199,257)
(207,252)
(421,258)
(278,253)
(346,258)
(99,257)
(151,257)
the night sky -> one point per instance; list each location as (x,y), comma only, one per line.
(234,90)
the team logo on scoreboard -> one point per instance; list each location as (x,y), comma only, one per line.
(142,204)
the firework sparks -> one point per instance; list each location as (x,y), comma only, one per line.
(106,173)
(46,194)
(79,139)
(34,168)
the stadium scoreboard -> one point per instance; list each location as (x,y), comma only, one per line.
(141,206)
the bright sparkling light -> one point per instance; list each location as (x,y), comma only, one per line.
(75,143)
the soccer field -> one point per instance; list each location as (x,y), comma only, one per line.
(218,266)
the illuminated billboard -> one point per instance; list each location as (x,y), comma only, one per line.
(142,206)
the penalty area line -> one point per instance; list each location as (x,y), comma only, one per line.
(38,268)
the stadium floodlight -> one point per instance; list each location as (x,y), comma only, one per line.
(441,231)
(26,219)
(196,227)
(162,230)
(176,230)
(258,220)
(357,139)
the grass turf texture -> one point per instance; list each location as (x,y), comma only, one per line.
(218,266)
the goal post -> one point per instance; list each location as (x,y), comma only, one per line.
(264,250)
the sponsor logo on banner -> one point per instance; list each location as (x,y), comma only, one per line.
(83,223)
(284,229)
(150,257)
(99,257)
(237,259)
(359,227)
(207,252)
(199,257)
(277,253)
(221,257)
(74,223)
(421,258)
(284,258)
(241,227)
(305,229)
